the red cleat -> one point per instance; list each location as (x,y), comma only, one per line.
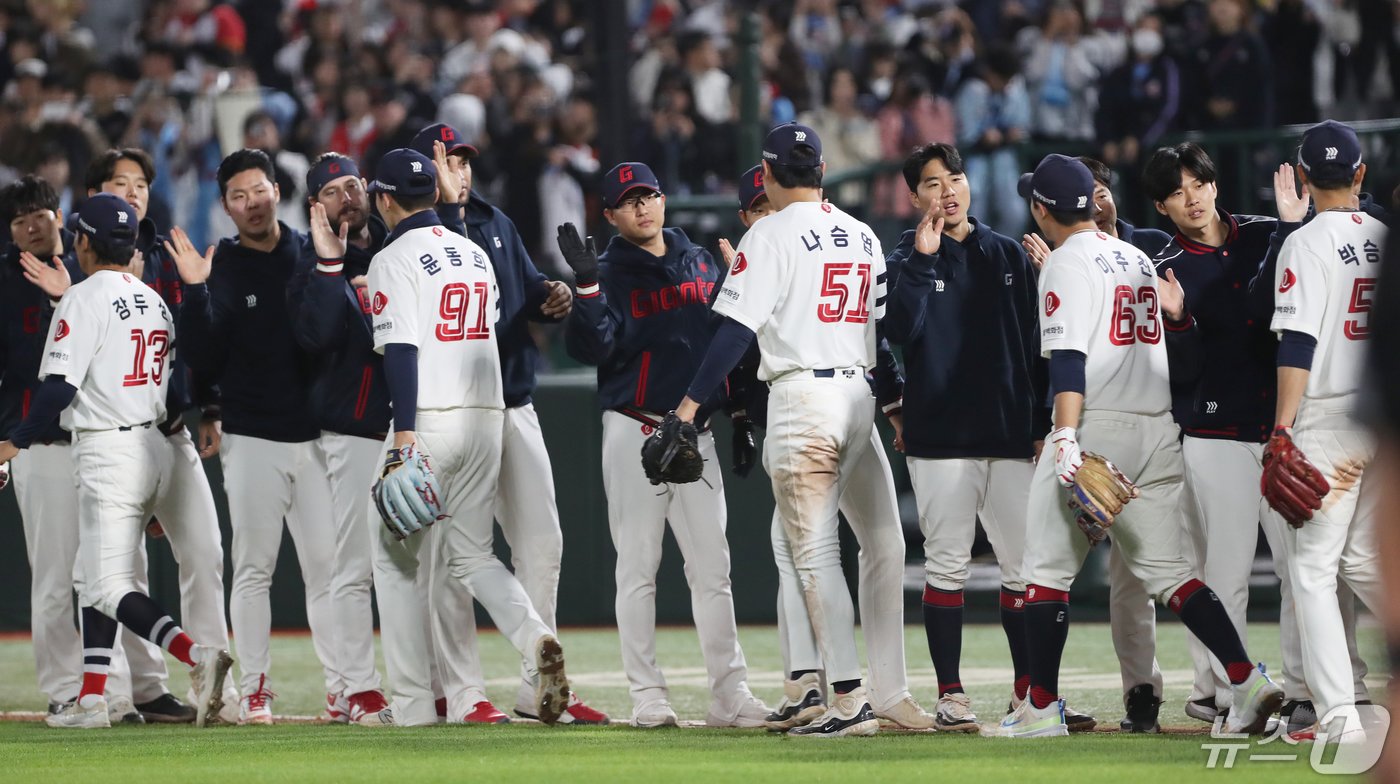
(578,713)
(337,709)
(485,713)
(370,708)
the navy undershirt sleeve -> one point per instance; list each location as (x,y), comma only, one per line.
(54,395)
(1296,349)
(401,374)
(1066,372)
(727,347)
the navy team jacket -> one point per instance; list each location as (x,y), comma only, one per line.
(1149,241)
(160,273)
(976,386)
(522,291)
(25,316)
(648,326)
(236,329)
(1231,393)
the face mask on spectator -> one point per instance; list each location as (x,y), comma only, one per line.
(881,87)
(1147,43)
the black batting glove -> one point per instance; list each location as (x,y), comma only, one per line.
(745,451)
(580,256)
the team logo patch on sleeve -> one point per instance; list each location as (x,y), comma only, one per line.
(1288,280)
(740,264)
(1052,303)
(377,306)
(61,331)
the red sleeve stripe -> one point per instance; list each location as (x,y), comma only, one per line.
(1179,326)
(584,292)
(330,266)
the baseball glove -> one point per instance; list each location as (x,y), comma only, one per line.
(1292,485)
(672,452)
(407,493)
(1099,493)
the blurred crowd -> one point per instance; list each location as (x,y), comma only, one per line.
(190,80)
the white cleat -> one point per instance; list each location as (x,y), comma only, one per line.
(256,708)
(121,710)
(75,717)
(908,714)
(753,714)
(654,713)
(954,714)
(1028,721)
(1255,700)
(850,715)
(207,681)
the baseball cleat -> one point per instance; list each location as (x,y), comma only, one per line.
(121,710)
(74,716)
(1142,708)
(167,709)
(1256,699)
(485,713)
(370,709)
(1203,709)
(576,713)
(954,714)
(57,707)
(337,708)
(849,715)
(256,708)
(1079,722)
(1028,721)
(552,691)
(752,714)
(907,714)
(654,713)
(803,701)
(207,680)
(1300,714)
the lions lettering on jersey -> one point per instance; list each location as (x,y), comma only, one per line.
(1326,289)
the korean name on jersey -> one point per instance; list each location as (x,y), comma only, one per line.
(810,282)
(1324,286)
(112,339)
(1099,297)
(436,290)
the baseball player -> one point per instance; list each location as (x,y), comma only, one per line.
(807,281)
(1324,286)
(870,507)
(44,486)
(641,315)
(434,305)
(965,309)
(1224,401)
(1102,328)
(106,358)
(525,501)
(185,506)
(237,329)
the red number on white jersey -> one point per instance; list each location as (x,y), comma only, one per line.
(156,343)
(835,294)
(455,309)
(1127,324)
(1362,298)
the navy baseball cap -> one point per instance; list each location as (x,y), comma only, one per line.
(108,219)
(328,169)
(780,147)
(625,178)
(1059,182)
(442,132)
(751,187)
(1331,150)
(404,172)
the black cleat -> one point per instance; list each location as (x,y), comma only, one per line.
(167,709)
(1142,707)
(1299,714)
(850,714)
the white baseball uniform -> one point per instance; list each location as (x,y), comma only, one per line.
(810,282)
(435,290)
(1324,288)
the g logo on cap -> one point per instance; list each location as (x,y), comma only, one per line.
(624,174)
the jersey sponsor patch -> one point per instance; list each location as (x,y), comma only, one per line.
(1288,280)
(377,306)
(61,331)
(740,264)
(1052,303)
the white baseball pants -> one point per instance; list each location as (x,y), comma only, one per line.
(353,464)
(267,482)
(637,515)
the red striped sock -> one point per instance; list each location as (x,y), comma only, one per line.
(1238,672)
(1041,698)
(1023,685)
(180,648)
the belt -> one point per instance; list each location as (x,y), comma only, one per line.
(129,428)
(648,418)
(846,372)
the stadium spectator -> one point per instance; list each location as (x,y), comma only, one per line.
(993,113)
(1062,68)
(1232,84)
(1140,99)
(912,116)
(850,139)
